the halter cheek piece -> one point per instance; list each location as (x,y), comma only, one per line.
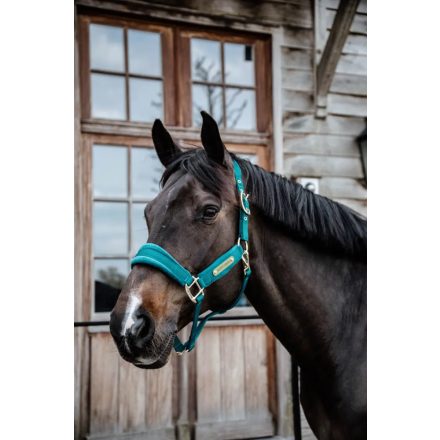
(153,255)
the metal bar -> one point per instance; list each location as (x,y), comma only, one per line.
(295,401)
(216,318)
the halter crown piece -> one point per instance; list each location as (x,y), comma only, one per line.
(153,255)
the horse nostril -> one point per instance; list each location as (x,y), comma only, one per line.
(142,329)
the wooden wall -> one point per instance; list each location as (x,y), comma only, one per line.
(326,148)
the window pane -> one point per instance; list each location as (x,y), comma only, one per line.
(239,64)
(108,96)
(208,98)
(206,60)
(240,109)
(110,276)
(106,48)
(146,171)
(144,54)
(139,232)
(110,228)
(145,100)
(109,171)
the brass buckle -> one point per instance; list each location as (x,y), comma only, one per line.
(200,291)
(243,207)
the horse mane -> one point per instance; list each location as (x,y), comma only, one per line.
(306,216)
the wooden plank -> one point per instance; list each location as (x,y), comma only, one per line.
(232,373)
(297,58)
(356,205)
(159,404)
(132,395)
(352,64)
(209,379)
(235,429)
(342,188)
(335,42)
(340,125)
(317,166)
(152,434)
(355,44)
(358,26)
(298,38)
(346,105)
(256,372)
(333,4)
(349,84)
(300,80)
(294,101)
(322,144)
(228,13)
(104,392)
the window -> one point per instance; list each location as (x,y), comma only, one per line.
(119,199)
(132,72)
(125,73)
(223,83)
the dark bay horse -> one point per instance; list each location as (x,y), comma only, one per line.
(308,282)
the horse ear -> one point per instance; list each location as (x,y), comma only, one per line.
(166,148)
(211,140)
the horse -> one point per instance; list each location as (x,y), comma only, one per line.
(308,284)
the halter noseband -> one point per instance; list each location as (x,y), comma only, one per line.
(153,255)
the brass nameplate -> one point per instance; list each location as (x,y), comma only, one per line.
(221,267)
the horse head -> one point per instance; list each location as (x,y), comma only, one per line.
(193,222)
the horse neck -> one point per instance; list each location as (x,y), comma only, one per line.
(310,300)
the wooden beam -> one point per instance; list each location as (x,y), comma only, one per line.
(332,51)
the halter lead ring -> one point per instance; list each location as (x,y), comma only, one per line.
(153,255)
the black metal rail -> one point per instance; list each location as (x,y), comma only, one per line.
(215,318)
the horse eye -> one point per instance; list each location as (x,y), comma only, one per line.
(210,212)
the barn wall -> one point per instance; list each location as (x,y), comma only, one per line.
(325,148)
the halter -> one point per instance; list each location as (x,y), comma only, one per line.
(153,255)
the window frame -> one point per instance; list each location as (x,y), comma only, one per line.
(86,70)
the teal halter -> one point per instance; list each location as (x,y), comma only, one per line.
(153,255)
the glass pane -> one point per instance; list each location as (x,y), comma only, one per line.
(239,64)
(109,171)
(145,100)
(208,98)
(110,228)
(106,47)
(110,276)
(206,60)
(139,232)
(144,53)
(108,96)
(146,171)
(252,158)
(240,109)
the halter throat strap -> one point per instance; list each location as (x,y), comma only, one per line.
(154,255)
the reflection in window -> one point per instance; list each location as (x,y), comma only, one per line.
(223,83)
(120,194)
(108,96)
(106,48)
(145,99)
(110,276)
(112,76)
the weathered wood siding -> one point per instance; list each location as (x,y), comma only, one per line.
(325,148)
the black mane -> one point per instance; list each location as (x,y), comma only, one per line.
(309,217)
